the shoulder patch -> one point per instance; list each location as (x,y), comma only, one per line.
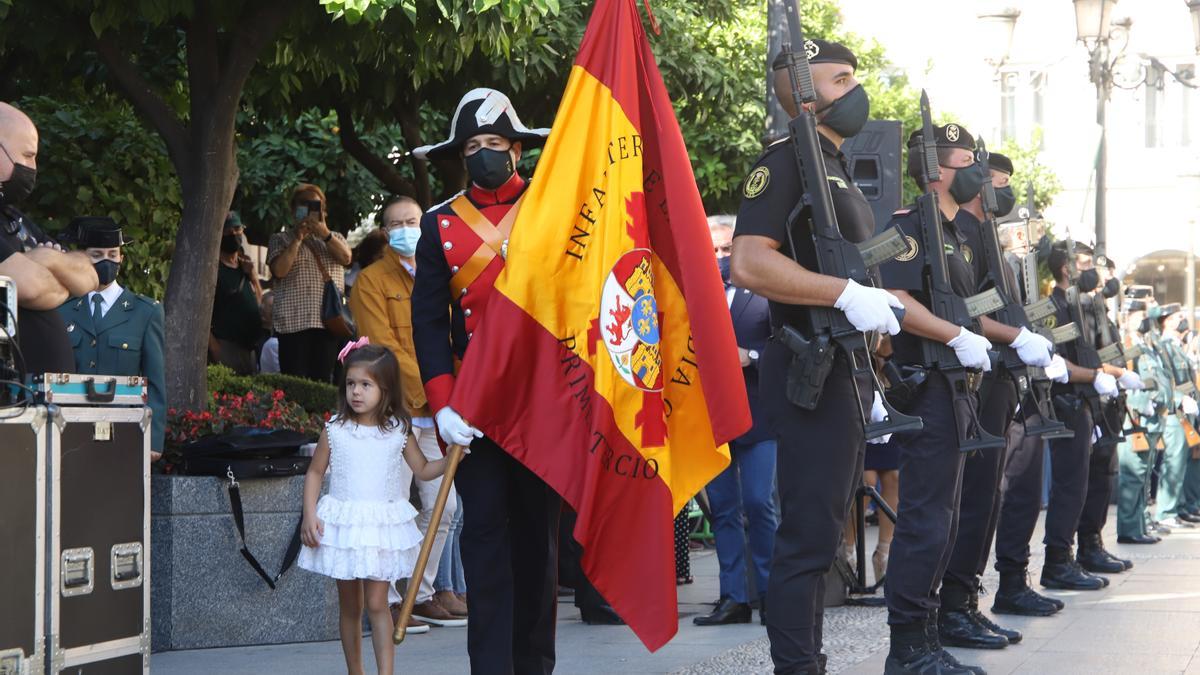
(911,252)
(757,182)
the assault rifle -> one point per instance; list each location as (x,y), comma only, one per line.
(1013,314)
(829,328)
(944,302)
(1112,351)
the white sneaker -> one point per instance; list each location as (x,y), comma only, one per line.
(1176,524)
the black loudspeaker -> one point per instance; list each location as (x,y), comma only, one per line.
(875,167)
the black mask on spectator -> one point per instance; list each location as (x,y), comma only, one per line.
(723,265)
(1088,280)
(106,271)
(1111,288)
(489,169)
(231,243)
(19,185)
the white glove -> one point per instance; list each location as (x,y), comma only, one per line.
(1057,370)
(971,350)
(453,429)
(1033,349)
(1131,381)
(1189,406)
(878,414)
(1105,384)
(869,309)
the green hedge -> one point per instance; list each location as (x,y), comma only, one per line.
(314,397)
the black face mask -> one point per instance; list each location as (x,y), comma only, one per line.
(1005,201)
(1144,326)
(106,271)
(967,183)
(723,265)
(1088,280)
(847,115)
(1182,326)
(19,185)
(231,243)
(1111,288)
(489,169)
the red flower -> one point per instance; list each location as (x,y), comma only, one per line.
(277,395)
(327,416)
(249,396)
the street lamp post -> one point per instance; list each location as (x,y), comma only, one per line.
(1093,25)
(997,28)
(1194,9)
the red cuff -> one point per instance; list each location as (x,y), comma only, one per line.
(438,391)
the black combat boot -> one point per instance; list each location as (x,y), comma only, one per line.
(957,627)
(1093,558)
(1127,564)
(935,645)
(1016,597)
(1012,636)
(1062,572)
(910,654)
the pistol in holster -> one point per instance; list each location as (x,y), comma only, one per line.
(812,360)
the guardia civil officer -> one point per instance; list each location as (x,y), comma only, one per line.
(930,460)
(1170,501)
(1148,407)
(114,331)
(510,517)
(819,452)
(960,623)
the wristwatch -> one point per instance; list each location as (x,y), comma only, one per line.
(328,237)
(753,354)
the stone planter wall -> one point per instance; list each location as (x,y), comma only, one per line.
(204,593)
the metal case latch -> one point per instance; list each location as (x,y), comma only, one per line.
(78,571)
(126,565)
(11,661)
(102,431)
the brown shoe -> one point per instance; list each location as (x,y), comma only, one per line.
(414,626)
(431,612)
(450,602)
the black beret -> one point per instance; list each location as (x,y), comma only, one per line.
(97,232)
(820,51)
(949,136)
(999,162)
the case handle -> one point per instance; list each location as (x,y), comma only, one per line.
(94,396)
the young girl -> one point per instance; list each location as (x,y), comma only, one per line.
(362,532)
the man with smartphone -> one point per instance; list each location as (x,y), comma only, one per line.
(300,258)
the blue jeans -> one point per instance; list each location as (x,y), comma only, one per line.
(750,511)
(450,570)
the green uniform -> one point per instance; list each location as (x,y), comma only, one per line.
(1176,454)
(1135,467)
(127,341)
(1182,370)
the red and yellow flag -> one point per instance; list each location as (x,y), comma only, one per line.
(606,360)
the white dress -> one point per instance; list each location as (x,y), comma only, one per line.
(369,528)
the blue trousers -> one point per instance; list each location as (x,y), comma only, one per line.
(741,503)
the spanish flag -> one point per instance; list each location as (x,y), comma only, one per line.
(605,360)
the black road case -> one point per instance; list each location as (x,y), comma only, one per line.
(23,538)
(99,548)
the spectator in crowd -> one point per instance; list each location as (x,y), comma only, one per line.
(297,257)
(683,547)
(740,497)
(450,576)
(236,316)
(268,352)
(44,274)
(369,250)
(114,331)
(382,307)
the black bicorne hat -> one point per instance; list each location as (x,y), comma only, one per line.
(482,111)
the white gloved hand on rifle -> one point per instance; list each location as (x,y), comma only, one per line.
(1057,370)
(971,350)
(1105,384)
(1131,381)
(453,429)
(1033,349)
(869,309)
(879,414)
(1189,406)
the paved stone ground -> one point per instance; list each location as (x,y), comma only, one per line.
(1146,621)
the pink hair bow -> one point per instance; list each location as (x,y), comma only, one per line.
(351,346)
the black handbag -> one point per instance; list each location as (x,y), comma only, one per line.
(250,452)
(335,313)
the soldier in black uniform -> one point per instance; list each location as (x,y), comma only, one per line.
(930,462)
(816,480)
(960,623)
(1069,457)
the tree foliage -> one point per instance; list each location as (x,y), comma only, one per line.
(1027,168)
